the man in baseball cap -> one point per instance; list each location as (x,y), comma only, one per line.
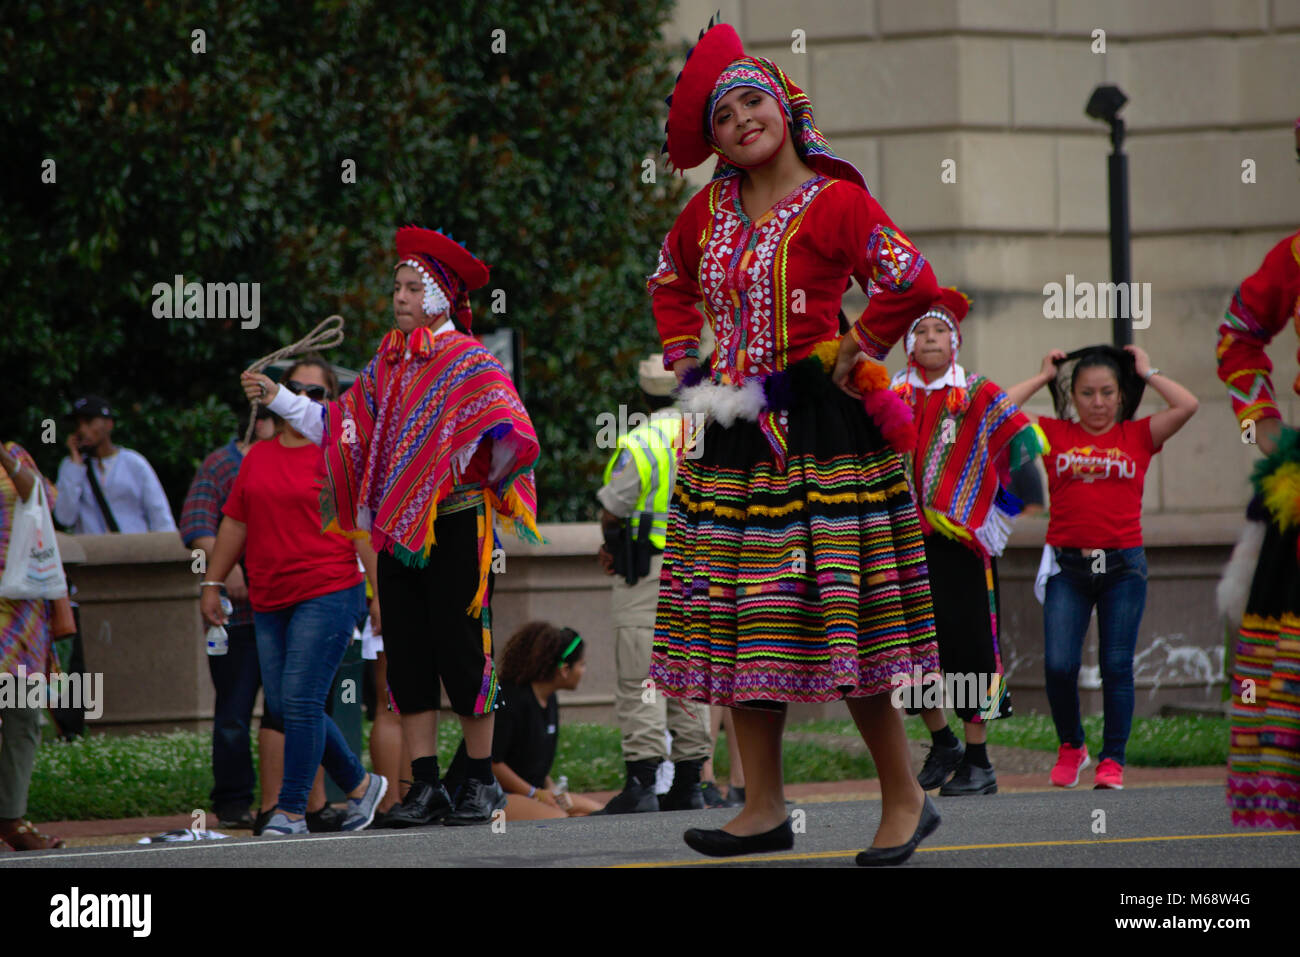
(102,487)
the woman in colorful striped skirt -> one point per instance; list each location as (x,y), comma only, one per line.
(794,568)
(1264,757)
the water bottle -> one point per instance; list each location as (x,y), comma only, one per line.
(561,792)
(218,641)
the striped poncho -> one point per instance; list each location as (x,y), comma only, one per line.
(426,418)
(963,461)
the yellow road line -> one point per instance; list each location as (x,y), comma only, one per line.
(827,855)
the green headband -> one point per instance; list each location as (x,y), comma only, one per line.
(577,640)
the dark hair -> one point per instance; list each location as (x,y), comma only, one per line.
(1120,363)
(533,652)
(317,360)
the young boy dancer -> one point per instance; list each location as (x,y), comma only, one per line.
(970,434)
(430,442)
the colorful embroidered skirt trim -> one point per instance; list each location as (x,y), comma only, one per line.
(803,584)
(1264,755)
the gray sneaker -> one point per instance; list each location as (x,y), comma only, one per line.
(281,825)
(361,811)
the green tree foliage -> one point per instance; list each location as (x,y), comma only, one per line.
(227,166)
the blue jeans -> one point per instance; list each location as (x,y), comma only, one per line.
(236,678)
(300,648)
(1118,588)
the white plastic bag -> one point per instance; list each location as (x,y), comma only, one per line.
(32,567)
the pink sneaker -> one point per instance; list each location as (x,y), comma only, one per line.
(1109,774)
(1069,762)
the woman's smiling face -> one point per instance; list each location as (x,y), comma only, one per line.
(748,126)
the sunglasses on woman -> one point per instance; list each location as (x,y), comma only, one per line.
(317,393)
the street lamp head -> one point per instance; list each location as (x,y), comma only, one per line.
(1105,103)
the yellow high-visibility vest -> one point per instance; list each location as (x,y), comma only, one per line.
(653,448)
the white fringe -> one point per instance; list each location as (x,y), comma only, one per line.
(1234,586)
(724,404)
(995,531)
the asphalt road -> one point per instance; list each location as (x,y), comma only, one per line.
(1160,826)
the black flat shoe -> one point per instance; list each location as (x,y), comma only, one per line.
(970,779)
(887,856)
(424,804)
(720,843)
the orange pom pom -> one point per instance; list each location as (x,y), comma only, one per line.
(956,399)
(869,376)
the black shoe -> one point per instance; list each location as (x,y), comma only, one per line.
(712,796)
(262,819)
(476,802)
(326,820)
(233,819)
(424,804)
(687,792)
(720,843)
(939,765)
(970,779)
(886,856)
(736,796)
(635,798)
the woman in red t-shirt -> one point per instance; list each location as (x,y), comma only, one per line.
(307,596)
(1094,557)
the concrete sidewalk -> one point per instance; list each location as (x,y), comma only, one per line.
(129,830)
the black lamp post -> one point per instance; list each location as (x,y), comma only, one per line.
(1104,105)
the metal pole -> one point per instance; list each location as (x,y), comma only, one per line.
(1120,263)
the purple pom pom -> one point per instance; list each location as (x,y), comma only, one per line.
(778,390)
(692,377)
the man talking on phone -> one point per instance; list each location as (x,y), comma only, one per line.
(103,487)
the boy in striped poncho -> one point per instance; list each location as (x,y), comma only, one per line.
(970,434)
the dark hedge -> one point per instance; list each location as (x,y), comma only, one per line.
(226,166)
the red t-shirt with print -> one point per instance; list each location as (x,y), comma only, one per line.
(287,556)
(1095,483)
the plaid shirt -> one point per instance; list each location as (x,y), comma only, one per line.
(201,514)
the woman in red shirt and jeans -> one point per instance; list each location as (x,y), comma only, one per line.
(307,596)
(1095,470)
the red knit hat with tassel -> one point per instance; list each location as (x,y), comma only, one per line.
(951,307)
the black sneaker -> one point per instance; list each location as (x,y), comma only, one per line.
(327,820)
(735,796)
(939,765)
(970,779)
(476,802)
(424,804)
(233,819)
(712,796)
(635,798)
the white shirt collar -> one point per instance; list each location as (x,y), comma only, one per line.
(955,376)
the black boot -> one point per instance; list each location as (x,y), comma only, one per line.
(686,794)
(638,793)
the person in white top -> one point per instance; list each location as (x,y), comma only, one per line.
(133,498)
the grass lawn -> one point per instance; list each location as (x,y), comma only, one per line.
(105,776)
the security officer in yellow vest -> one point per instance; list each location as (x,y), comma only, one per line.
(635,498)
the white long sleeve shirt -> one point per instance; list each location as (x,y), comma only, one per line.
(130,487)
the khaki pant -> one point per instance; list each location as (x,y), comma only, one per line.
(644,712)
(19,736)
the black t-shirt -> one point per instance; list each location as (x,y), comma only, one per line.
(524,737)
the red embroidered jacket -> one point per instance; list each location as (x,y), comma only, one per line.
(772,288)
(1261,306)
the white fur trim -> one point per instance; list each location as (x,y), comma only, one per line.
(725,404)
(1234,586)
